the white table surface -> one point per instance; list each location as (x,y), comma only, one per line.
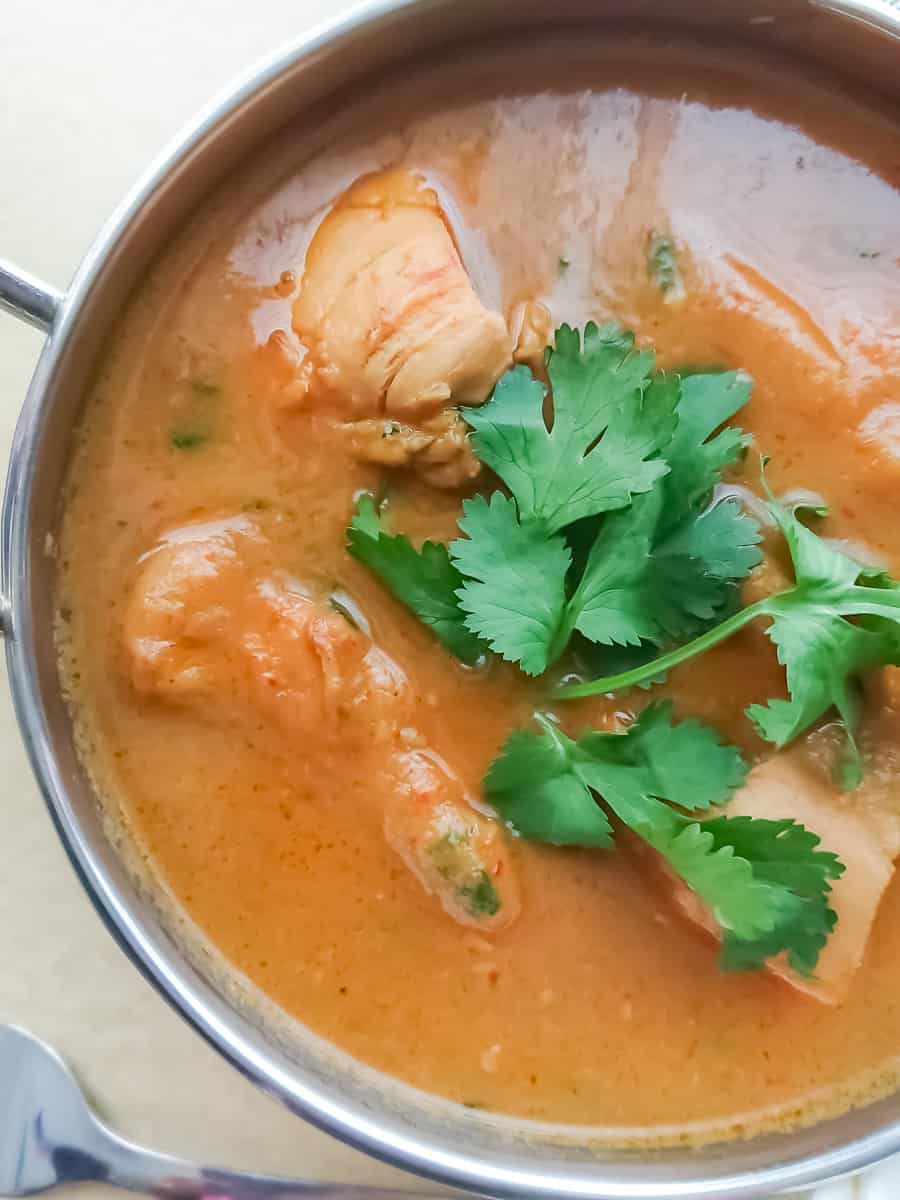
(89,91)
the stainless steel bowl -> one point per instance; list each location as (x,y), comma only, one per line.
(857,40)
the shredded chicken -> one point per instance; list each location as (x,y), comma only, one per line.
(396,335)
(210,625)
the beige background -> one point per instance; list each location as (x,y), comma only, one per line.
(89,91)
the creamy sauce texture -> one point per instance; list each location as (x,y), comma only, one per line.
(600,1005)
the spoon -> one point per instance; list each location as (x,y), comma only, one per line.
(50,1137)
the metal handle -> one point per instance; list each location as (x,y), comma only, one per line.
(28,298)
(121,1164)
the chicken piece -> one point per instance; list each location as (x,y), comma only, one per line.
(884,686)
(534,336)
(439,450)
(865,838)
(180,618)
(396,336)
(211,625)
(456,853)
(208,625)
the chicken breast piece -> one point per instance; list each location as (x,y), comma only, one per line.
(208,624)
(396,335)
(866,840)
(180,620)
(211,625)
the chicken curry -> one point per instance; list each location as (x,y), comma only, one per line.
(478,586)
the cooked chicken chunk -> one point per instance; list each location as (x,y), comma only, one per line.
(534,336)
(179,619)
(210,624)
(865,837)
(455,852)
(396,336)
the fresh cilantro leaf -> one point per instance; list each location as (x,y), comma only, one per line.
(367,522)
(763,908)
(765,882)
(613,604)
(840,619)
(784,854)
(667,565)
(684,763)
(536,788)
(513,593)
(652,570)
(533,782)
(822,656)
(609,418)
(640,587)
(696,459)
(744,906)
(424,580)
(822,652)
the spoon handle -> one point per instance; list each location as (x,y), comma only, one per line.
(122,1164)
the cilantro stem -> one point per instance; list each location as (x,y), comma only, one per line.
(614,683)
(869,602)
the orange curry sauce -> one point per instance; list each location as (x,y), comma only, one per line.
(599,1004)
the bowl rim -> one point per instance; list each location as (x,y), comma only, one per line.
(157,960)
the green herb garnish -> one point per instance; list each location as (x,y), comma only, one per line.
(188,439)
(662,263)
(765,882)
(452,856)
(539,565)
(425,580)
(197,413)
(481,897)
(610,417)
(840,619)
(664,567)
(512,582)
(605,539)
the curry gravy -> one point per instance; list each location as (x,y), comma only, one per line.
(599,1005)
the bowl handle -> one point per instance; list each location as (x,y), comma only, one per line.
(28,298)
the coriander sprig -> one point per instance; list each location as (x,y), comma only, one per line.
(424,580)
(605,527)
(766,882)
(622,472)
(840,619)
